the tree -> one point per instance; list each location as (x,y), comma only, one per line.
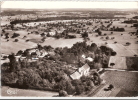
(79,89)
(27,40)
(70,88)
(20,52)
(107,37)
(12,62)
(6,37)
(15,35)
(99,33)
(93,47)
(85,34)
(3,30)
(63,93)
(76,82)
(16,40)
(39,47)
(113,53)
(112,64)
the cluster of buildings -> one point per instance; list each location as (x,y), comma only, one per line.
(34,53)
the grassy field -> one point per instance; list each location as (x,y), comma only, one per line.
(61,42)
(26,93)
(13,47)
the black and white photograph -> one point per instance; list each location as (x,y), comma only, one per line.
(69,49)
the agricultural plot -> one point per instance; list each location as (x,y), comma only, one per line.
(121,50)
(122,79)
(103,93)
(120,62)
(132,63)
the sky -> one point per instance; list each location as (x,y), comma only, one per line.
(67,4)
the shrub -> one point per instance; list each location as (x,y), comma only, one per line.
(15,35)
(128,43)
(16,40)
(113,53)
(107,37)
(115,42)
(27,40)
(79,89)
(63,93)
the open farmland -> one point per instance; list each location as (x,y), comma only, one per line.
(69,52)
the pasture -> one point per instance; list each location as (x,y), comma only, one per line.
(10,46)
(61,42)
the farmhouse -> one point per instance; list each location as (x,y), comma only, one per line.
(75,75)
(82,71)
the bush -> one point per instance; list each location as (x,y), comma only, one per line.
(79,89)
(63,93)
(15,35)
(128,43)
(85,34)
(27,40)
(113,53)
(107,37)
(71,36)
(115,42)
(16,40)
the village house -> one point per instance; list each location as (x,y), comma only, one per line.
(31,51)
(4,55)
(84,58)
(41,53)
(52,33)
(17,57)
